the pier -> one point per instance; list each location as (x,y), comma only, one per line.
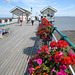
(15,47)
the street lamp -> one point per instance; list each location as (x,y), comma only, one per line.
(31,9)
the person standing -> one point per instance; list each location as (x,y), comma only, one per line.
(32,20)
(39,19)
(21,19)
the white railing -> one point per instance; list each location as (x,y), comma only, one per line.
(9,22)
(70,67)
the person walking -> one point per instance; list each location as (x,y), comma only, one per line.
(32,20)
(21,19)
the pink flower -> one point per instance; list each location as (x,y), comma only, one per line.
(47,52)
(72,54)
(48,39)
(50,57)
(69,51)
(29,63)
(69,54)
(62,68)
(35,60)
(30,70)
(60,53)
(59,73)
(38,51)
(28,57)
(39,61)
(52,70)
(45,37)
(65,73)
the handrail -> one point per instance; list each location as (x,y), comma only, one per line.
(2,25)
(63,37)
(70,67)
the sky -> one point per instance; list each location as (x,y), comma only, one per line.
(63,7)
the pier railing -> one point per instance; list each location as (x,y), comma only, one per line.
(9,22)
(70,67)
(63,37)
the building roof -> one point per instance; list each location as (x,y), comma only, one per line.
(21,9)
(48,7)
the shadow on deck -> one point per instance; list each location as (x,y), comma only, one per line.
(32,50)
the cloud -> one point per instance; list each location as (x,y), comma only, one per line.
(67,11)
(38,5)
(35,3)
(15,0)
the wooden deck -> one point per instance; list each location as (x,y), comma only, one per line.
(15,48)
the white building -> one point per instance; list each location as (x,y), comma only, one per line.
(17,11)
(48,12)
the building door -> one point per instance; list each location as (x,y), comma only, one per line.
(27,16)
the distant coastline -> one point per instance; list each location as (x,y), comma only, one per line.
(5,17)
(64,16)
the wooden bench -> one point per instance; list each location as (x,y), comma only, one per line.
(5,29)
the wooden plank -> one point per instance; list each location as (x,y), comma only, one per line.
(12,59)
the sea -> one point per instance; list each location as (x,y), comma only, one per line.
(64,23)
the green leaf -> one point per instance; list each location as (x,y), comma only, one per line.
(48,71)
(67,71)
(65,54)
(47,67)
(46,61)
(46,56)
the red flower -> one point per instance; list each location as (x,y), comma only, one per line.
(6,19)
(0,20)
(46,49)
(10,19)
(53,44)
(66,61)
(62,43)
(72,59)
(49,24)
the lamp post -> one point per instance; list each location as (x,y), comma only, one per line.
(31,9)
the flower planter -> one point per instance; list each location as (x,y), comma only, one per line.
(10,19)
(52,62)
(0,21)
(6,20)
(44,30)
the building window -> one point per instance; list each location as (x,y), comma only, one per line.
(48,15)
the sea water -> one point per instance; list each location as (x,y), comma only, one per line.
(65,23)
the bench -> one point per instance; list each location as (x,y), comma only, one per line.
(5,29)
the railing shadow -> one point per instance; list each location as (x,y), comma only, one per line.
(32,50)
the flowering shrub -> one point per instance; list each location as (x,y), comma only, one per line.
(44,30)
(10,19)
(6,19)
(0,20)
(51,62)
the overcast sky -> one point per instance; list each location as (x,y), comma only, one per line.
(63,7)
